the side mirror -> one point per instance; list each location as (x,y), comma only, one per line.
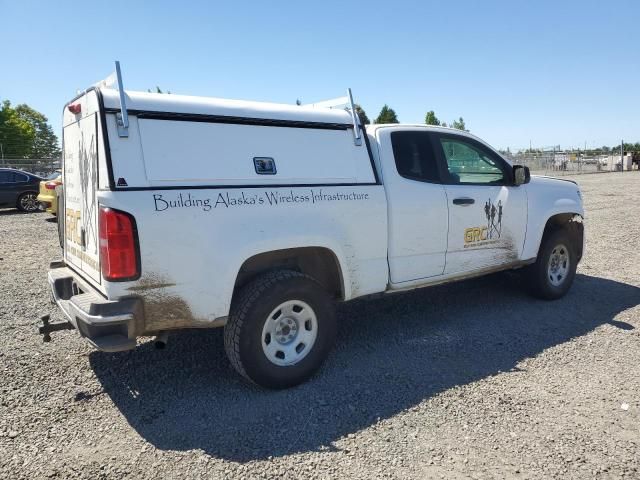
(521,175)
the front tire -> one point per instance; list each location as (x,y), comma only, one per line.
(552,275)
(280,329)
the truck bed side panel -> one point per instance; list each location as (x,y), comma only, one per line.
(194,241)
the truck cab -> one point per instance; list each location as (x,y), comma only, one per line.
(455,207)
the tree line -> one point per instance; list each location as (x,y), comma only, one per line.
(26,133)
(388,115)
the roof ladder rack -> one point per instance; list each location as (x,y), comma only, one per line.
(357,138)
(122,118)
(342,102)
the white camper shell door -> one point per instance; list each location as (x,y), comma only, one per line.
(81,207)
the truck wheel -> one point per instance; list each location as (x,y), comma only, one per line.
(551,276)
(280,329)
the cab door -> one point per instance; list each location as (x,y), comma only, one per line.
(487,213)
(416,204)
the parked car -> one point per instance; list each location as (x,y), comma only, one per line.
(19,189)
(187,212)
(47,197)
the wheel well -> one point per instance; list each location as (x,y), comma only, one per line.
(317,262)
(573,223)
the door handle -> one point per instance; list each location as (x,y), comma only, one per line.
(463,201)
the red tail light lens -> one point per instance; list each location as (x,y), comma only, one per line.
(52,185)
(118,245)
(75,109)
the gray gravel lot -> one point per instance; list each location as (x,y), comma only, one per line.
(471,380)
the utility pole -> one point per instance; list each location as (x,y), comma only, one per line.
(622,155)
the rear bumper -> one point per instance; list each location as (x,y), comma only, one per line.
(48,208)
(108,325)
(48,202)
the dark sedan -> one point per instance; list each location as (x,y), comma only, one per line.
(19,189)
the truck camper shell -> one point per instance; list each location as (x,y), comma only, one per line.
(220,142)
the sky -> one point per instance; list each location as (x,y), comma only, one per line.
(546,72)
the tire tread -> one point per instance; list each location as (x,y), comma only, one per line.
(536,272)
(240,307)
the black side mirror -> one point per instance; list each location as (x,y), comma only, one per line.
(521,175)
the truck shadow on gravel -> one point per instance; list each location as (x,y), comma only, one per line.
(392,353)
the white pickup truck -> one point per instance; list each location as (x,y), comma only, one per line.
(188,212)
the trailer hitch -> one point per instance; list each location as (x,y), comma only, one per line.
(46,328)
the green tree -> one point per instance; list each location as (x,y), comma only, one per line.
(364,120)
(45,142)
(16,134)
(459,124)
(26,133)
(431,119)
(387,115)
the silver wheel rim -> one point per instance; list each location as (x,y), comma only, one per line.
(289,333)
(29,202)
(558,267)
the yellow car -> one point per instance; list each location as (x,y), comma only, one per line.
(47,196)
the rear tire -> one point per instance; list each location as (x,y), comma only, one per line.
(552,275)
(28,202)
(280,329)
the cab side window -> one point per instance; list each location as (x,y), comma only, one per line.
(468,163)
(414,156)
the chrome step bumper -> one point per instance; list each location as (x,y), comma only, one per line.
(108,325)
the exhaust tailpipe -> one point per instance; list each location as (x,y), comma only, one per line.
(161,340)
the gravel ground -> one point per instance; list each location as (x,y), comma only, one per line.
(471,380)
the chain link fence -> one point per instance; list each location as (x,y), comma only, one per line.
(545,163)
(38,166)
(563,163)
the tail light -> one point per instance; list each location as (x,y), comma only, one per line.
(119,257)
(52,185)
